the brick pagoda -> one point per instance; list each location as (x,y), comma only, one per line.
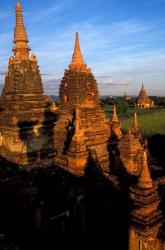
(78,89)
(26,120)
(143,100)
(145,214)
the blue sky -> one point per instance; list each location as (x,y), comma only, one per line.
(122,41)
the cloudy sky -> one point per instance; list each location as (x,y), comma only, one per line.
(122,41)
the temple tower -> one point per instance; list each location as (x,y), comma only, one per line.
(26,118)
(78,89)
(143,100)
(146,215)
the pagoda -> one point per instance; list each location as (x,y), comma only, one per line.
(78,90)
(26,117)
(146,218)
(143,100)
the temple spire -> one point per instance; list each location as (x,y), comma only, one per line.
(77,55)
(145,180)
(143,90)
(77,62)
(129,132)
(21,48)
(142,85)
(135,122)
(114,115)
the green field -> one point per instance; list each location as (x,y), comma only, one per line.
(151,121)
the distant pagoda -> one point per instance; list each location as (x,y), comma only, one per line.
(26,118)
(143,100)
(78,90)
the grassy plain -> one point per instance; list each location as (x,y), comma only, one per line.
(151,121)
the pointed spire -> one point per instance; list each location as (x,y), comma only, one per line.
(129,132)
(77,143)
(114,115)
(77,62)
(135,122)
(143,94)
(21,48)
(142,85)
(146,143)
(143,90)
(77,154)
(146,147)
(77,55)
(129,136)
(145,180)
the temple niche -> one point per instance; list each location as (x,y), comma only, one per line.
(78,91)
(143,100)
(26,117)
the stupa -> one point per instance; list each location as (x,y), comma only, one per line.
(146,218)
(78,89)
(143,100)
(26,119)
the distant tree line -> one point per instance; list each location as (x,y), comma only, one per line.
(123,106)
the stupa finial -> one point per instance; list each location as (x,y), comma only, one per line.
(77,62)
(21,48)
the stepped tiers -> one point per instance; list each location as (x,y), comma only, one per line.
(145,215)
(78,89)
(27,115)
(143,100)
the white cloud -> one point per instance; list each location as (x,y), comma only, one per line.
(121,54)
